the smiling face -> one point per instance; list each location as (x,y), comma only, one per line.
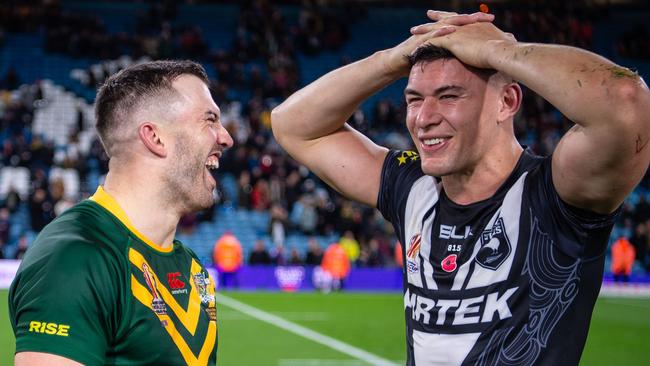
(198,140)
(451,115)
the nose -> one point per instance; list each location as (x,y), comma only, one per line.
(428,113)
(223,138)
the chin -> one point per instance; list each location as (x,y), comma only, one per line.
(206,203)
(435,170)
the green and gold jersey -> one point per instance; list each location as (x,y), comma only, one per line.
(93,289)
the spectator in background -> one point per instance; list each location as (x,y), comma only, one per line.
(635,43)
(294,257)
(623,255)
(5,226)
(314,255)
(12,200)
(260,199)
(41,209)
(337,264)
(370,255)
(227,256)
(641,211)
(304,214)
(278,224)
(23,244)
(11,80)
(244,190)
(641,242)
(397,255)
(278,257)
(350,245)
(259,255)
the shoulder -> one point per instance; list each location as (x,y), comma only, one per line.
(84,234)
(402,160)
(87,222)
(400,169)
(401,174)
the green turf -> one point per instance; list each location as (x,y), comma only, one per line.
(372,322)
(7,341)
(620,331)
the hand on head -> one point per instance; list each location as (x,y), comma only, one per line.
(396,60)
(465,35)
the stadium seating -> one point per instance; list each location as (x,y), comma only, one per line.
(64,81)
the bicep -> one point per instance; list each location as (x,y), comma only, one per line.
(40,358)
(595,168)
(346,160)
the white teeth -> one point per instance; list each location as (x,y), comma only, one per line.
(435,141)
(212,163)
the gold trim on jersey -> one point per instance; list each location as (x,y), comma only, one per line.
(105,200)
(189,318)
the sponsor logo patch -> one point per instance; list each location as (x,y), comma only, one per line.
(49,328)
(412,254)
(157,304)
(174,282)
(495,246)
(201,281)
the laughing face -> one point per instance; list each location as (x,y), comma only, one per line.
(198,141)
(451,116)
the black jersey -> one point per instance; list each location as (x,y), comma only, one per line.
(510,280)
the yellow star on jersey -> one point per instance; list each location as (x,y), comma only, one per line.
(412,155)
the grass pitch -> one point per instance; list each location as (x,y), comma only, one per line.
(619,335)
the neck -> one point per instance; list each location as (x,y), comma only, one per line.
(484,178)
(150,215)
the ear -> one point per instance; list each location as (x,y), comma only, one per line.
(510,102)
(150,136)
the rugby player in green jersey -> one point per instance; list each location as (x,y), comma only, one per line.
(106,282)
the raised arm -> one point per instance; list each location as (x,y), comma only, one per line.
(605,155)
(311,126)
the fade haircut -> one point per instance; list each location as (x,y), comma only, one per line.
(124,92)
(428,53)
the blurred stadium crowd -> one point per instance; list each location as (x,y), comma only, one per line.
(254,64)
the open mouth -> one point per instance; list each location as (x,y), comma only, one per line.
(213,162)
(434,143)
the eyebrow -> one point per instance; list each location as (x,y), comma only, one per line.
(209,114)
(440,90)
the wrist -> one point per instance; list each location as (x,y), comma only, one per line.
(497,52)
(392,65)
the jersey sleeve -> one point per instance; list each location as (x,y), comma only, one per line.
(400,170)
(588,231)
(65,298)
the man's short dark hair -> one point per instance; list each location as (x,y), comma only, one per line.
(429,53)
(124,91)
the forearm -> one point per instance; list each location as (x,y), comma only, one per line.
(322,107)
(585,87)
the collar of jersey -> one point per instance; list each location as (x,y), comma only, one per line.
(105,200)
